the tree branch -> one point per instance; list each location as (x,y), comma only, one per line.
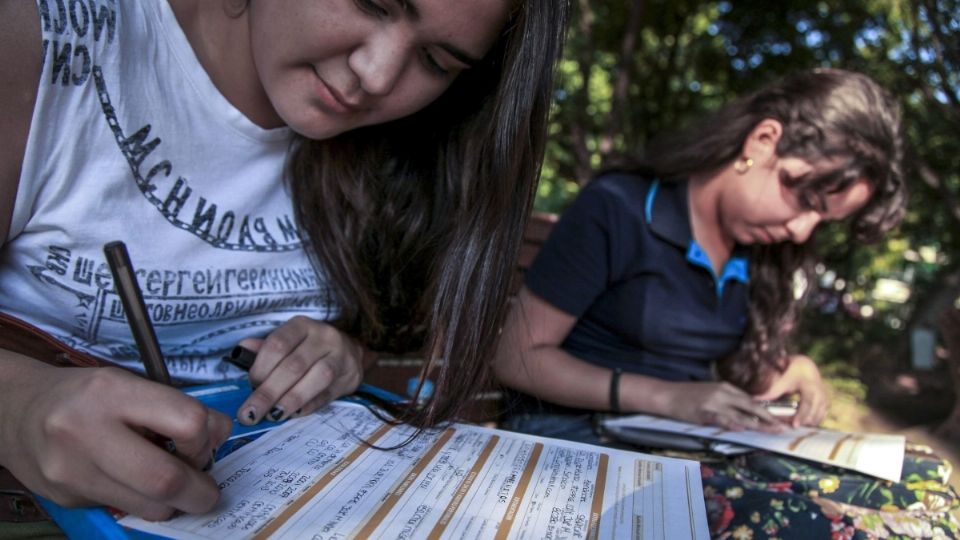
(578,131)
(670,69)
(932,179)
(621,87)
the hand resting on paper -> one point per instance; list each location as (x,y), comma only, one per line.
(715,404)
(303,365)
(77,437)
(801,377)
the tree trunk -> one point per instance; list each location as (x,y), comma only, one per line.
(621,87)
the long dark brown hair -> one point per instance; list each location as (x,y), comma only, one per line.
(828,116)
(416,224)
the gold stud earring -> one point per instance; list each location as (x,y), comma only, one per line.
(742,164)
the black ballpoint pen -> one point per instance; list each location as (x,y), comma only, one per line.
(125,282)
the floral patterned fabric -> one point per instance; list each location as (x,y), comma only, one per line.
(764,495)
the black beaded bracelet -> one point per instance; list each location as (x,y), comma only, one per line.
(615,390)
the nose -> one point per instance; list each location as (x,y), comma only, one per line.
(379,62)
(802,226)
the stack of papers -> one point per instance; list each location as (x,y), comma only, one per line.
(318,477)
(875,454)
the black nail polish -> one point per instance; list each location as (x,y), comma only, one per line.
(276,413)
(250,416)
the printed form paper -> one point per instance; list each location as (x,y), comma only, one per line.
(314,477)
(875,454)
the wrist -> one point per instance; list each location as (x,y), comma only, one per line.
(641,394)
(18,375)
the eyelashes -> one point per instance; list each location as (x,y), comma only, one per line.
(812,200)
(373,8)
(432,65)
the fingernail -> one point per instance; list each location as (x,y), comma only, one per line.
(298,412)
(276,413)
(250,415)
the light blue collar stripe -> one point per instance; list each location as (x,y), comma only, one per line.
(648,204)
(737,268)
(698,256)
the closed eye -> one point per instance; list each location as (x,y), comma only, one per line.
(373,8)
(431,63)
(812,200)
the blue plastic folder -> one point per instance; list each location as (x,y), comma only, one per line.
(99,523)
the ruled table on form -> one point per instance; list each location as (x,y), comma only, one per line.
(343,473)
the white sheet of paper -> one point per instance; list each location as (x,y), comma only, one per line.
(315,478)
(875,454)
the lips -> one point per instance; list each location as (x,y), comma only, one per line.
(333,101)
(777,237)
(764,236)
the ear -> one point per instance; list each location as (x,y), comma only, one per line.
(761,144)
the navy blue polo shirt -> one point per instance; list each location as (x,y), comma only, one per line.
(622,260)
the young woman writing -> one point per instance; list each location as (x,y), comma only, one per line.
(316,180)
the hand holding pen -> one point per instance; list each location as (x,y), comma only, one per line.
(802,380)
(304,364)
(301,366)
(76,437)
(125,283)
(181,439)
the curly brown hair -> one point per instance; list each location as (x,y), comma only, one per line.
(829,116)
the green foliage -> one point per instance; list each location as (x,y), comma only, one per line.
(690,57)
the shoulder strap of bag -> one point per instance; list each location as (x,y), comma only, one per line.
(24,338)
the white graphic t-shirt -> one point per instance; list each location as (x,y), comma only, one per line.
(131,141)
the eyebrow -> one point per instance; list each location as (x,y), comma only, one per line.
(410,8)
